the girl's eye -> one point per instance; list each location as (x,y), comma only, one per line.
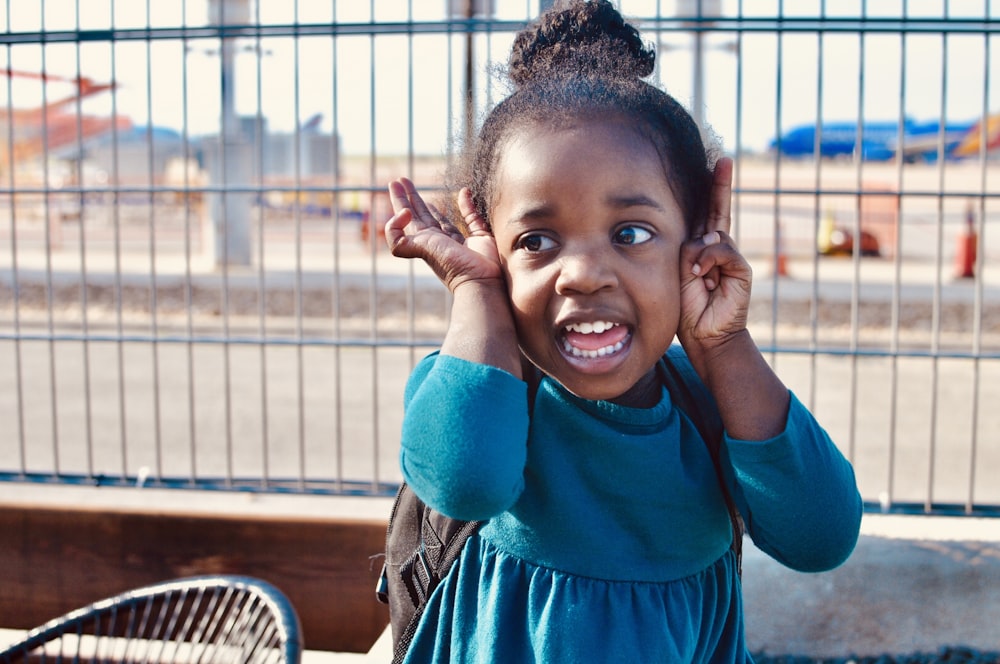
(632,235)
(534,243)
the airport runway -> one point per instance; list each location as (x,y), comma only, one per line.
(302,405)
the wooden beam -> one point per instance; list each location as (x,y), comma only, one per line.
(55,559)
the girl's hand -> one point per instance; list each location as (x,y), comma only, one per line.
(417,230)
(715,298)
(715,278)
(481,327)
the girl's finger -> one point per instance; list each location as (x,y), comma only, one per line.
(720,208)
(441,220)
(398,197)
(420,209)
(708,263)
(395,228)
(470,215)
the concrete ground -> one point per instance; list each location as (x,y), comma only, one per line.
(913,584)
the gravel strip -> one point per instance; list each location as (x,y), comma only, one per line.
(951,655)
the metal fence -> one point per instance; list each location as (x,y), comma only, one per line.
(194,291)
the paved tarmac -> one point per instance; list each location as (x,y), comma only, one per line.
(904,445)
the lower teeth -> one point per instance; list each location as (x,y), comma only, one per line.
(591,354)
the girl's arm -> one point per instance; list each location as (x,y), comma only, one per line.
(752,400)
(797,493)
(465,424)
(465,427)
(481,328)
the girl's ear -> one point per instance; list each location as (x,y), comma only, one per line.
(720,207)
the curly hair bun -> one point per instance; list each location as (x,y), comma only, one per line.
(583,37)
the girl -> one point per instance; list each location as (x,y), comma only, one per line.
(594,230)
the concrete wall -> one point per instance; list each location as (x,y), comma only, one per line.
(913,584)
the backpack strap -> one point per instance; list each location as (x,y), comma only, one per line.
(691,395)
(421,547)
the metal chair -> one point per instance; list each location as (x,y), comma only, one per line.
(208,619)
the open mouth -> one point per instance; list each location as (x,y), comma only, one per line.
(595,339)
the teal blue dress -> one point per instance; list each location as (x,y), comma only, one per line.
(607,535)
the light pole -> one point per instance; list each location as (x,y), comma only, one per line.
(700,14)
(468,10)
(470,56)
(233,165)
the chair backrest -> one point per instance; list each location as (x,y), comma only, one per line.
(205,619)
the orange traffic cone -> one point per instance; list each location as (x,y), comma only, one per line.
(780,260)
(967,245)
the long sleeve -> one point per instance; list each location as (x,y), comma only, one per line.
(798,494)
(464,437)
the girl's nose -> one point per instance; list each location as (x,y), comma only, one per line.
(585,273)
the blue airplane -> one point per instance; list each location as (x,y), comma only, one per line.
(880,141)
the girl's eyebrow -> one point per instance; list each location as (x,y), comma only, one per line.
(532,212)
(637,200)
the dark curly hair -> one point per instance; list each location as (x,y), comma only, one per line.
(583,60)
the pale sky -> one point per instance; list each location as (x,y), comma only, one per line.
(431,66)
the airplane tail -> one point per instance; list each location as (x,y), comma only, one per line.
(972,143)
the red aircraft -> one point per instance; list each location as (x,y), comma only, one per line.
(40,130)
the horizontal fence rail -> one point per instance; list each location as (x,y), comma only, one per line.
(195,293)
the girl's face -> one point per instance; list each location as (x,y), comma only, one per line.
(589,235)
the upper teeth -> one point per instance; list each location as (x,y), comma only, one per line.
(597,327)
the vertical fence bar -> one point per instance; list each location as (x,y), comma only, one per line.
(737,202)
(228,132)
(411,303)
(450,158)
(157,428)
(468,90)
(373,307)
(49,243)
(817,210)
(977,316)
(338,336)
(856,247)
(897,280)
(265,434)
(297,212)
(22,447)
(938,275)
(488,46)
(88,426)
(192,411)
(116,182)
(776,242)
